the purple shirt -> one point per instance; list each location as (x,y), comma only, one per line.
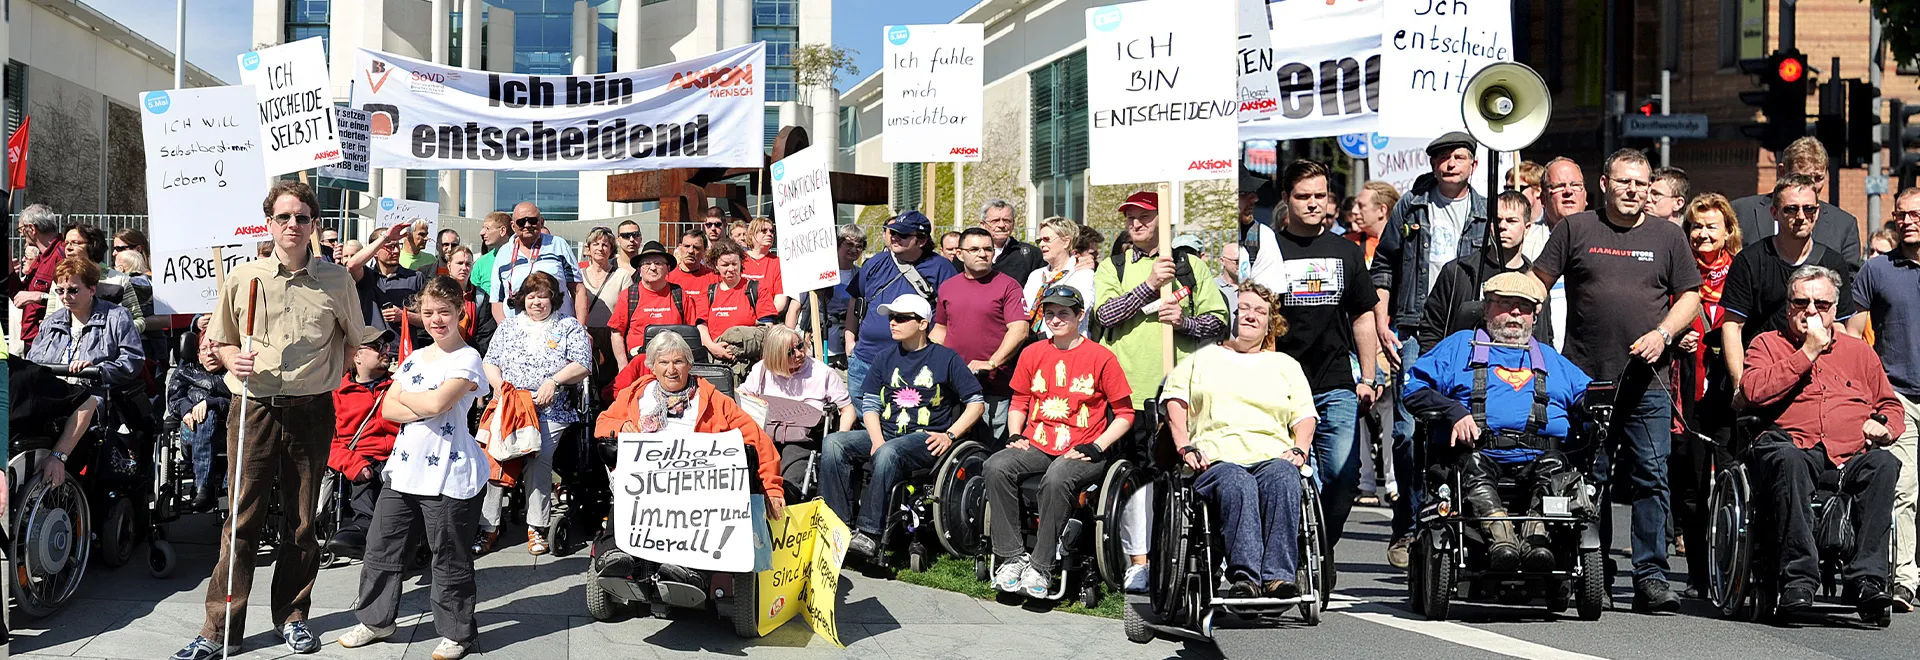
(976,315)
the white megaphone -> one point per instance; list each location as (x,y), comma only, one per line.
(1506,106)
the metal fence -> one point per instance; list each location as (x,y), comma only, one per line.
(110,223)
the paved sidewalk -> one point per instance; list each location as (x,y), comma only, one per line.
(534,608)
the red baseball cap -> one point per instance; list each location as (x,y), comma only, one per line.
(1146,201)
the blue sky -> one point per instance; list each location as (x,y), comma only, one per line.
(858,24)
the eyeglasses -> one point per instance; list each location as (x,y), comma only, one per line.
(296,218)
(65,290)
(1558,188)
(903,318)
(630,235)
(714,224)
(1808,210)
(1906,216)
(1817,305)
(528,222)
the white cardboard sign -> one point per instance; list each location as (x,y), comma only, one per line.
(353,125)
(933,93)
(205,176)
(183,282)
(684,499)
(1161,92)
(1432,48)
(1259,86)
(296,106)
(1327,66)
(804,216)
(394,211)
(1401,160)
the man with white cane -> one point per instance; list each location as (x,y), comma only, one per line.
(283,325)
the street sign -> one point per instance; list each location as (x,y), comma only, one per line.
(1355,144)
(1877,184)
(1673,126)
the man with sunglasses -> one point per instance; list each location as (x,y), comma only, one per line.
(447,241)
(909,265)
(1836,228)
(1886,294)
(626,241)
(533,249)
(1756,290)
(330,240)
(715,224)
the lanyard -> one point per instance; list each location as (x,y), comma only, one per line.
(507,282)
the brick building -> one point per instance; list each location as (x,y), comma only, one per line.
(1564,41)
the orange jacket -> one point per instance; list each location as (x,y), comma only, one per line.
(518,417)
(718,414)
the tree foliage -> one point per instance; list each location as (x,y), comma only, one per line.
(820,65)
(1900,26)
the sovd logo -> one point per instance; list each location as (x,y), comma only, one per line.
(1105,19)
(250,61)
(157,102)
(897,35)
(386,204)
(779,171)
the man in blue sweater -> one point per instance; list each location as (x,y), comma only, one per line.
(907,266)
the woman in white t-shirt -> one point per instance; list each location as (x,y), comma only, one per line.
(435,476)
(1055,239)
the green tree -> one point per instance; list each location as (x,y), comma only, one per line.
(1900,26)
(820,65)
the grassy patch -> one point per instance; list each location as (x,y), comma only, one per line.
(956,575)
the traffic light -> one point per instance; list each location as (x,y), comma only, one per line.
(1831,128)
(1902,137)
(1784,101)
(1862,116)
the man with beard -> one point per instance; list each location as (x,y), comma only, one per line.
(1488,382)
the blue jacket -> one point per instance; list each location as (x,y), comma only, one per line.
(109,342)
(878,282)
(1442,380)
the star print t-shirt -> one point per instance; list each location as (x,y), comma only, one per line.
(918,390)
(439,456)
(1067,394)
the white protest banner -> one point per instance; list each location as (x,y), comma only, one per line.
(804,218)
(1259,86)
(1433,47)
(933,93)
(205,177)
(352,124)
(700,112)
(1401,160)
(1327,63)
(296,108)
(183,282)
(394,211)
(682,499)
(1161,93)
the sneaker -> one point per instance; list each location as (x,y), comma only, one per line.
(362,635)
(1902,599)
(452,650)
(202,648)
(863,545)
(1136,579)
(298,638)
(1398,552)
(1035,583)
(1653,595)
(1007,577)
(536,542)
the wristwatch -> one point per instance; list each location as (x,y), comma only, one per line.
(1369,382)
(60,456)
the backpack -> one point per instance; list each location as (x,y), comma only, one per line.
(1182,273)
(753,295)
(679,304)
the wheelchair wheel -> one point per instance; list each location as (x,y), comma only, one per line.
(117,533)
(744,610)
(1439,582)
(601,605)
(161,559)
(50,545)
(1730,545)
(1313,548)
(1121,482)
(1173,553)
(560,533)
(1593,594)
(1136,624)
(960,500)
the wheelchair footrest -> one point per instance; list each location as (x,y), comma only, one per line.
(1259,604)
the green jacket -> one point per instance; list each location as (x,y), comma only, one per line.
(1135,338)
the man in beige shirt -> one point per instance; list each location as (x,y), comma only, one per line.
(306,317)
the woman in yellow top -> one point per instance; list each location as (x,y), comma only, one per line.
(1247,443)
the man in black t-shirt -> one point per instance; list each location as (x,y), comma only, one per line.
(1756,297)
(1328,300)
(1631,289)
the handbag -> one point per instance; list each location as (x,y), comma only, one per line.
(785,420)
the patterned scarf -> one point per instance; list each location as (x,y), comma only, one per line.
(1713,275)
(1034,317)
(667,405)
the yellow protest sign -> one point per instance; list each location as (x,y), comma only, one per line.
(823,578)
(809,544)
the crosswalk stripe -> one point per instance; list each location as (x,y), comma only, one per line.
(1473,637)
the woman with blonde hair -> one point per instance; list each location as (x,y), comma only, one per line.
(798,391)
(1703,390)
(761,266)
(605,280)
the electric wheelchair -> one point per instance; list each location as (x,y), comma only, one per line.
(1449,562)
(1744,573)
(1187,576)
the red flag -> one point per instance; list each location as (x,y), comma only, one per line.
(17,156)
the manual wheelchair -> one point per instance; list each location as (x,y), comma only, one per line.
(1744,571)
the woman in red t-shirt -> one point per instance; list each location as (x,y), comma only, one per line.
(761,266)
(735,302)
(1071,403)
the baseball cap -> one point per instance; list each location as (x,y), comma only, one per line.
(1190,241)
(379,339)
(1251,183)
(911,222)
(910,303)
(1146,201)
(1452,140)
(1063,294)
(1516,285)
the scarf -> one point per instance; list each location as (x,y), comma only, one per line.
(538,333)
(467,316)
(1053,277)
(1713,275)
(667,405)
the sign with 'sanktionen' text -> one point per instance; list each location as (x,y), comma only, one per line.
(205,176)
(296,108)
(682,499)
(1433,48)
(1326,58)
(803,213)
(699,112)
(1161,92)
(933,93)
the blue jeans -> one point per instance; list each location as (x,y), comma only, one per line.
(1336,465)
(1642,426)
(1409,477)
(200,441)
(1259,516)
(856,375)
(897,457)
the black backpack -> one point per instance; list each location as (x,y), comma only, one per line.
(753,295)
(1182,273)
(679,303)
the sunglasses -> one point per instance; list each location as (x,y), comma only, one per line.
(1808,210)
(903,318)
(119,248)
(65,290)
(296,218)
(714,224)
(528,222)
(1817,305)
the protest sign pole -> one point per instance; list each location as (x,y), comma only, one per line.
(313,237)
(1165,226)
(813,303)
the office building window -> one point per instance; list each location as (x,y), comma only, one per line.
(1058,93)
(780,84)
(557,196)
(777,23)
(773,126)
(780,44)
(307,19)
(16,88)
(776,12)
(849,136)
(907,181)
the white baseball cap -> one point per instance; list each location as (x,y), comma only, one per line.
(910,303)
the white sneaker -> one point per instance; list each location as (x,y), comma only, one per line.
(1135,581)
(362,635)
(1035,583)
(1007,578)
(451,650)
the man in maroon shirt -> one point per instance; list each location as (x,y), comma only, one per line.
(41,229)
(1830,400)
(982,315)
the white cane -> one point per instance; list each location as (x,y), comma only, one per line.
(239,462)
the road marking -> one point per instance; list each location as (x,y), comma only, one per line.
(1473,637)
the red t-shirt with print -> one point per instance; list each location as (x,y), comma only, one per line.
(729,308)
(1067,394)
(654,308)
(766,271)
(696,281)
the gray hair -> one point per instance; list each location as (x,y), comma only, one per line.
(665,344)
(996,203)
(1809,273)
(853,234)
(42,218)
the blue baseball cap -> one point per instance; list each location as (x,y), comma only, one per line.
(911,222)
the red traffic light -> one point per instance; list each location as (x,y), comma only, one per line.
(1791,69)
(1647,108)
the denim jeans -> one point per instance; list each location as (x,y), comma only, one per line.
(1259,516)
(896,458)
(1643,426)
(1409,477)
(856,375)
(1336,465)
(200,441)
